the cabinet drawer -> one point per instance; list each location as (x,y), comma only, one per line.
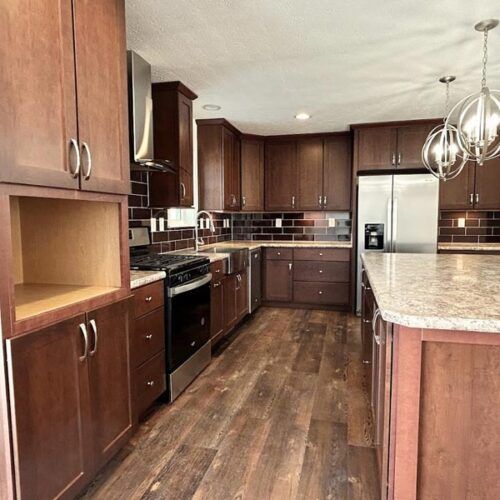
(217,269)
(333,254)
(151,382)
(279,253)
(149,336)
(148,297)
(306,270)
(320,293)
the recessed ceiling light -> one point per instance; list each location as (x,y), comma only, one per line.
(211,107)
(302,116)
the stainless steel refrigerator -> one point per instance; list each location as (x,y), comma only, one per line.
(396,213)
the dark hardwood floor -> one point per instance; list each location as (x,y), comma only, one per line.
(281,412)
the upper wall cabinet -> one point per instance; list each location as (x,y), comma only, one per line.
(393,146)
(337,172)
(63,99)
(218,165)
(310,174)
(173,140)
(281,175)
(252,175)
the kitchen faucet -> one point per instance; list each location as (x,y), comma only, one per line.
(198,240)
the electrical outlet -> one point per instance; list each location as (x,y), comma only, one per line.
(461,222)
(153,224)
(332,222)
(278,222)
(161,224)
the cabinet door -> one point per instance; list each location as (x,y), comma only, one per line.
(186,189)
(376,148)
(242,294)
(229,294)
(310,174)
(102,94)
(458,193)
(487,192)
(337,173)
(410,142)
(252,175)
(228,155)
(236,174)
(110,388)
(37,100)
(49,400)
(186,134)
(256,279)
(281,174)
(278,280)
(216,309)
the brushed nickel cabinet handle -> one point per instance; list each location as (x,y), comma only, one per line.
(293,201)
(399,158)
(85,334)
(320,271)
(320,200)
(148,298)
(86,149)
(244,201)
(324,201)
(278,253)
(94,328)
(321,254)
(393,159)
(477,197)
(74,145)
(183,189)
(320,292)
(150,383)
(471,199)
(149,336)
(289,266)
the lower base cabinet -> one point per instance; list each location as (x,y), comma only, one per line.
(70,400)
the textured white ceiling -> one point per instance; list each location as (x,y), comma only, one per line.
(341,61)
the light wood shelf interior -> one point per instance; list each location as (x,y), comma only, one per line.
(63,252)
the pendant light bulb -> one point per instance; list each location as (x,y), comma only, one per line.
(441,153)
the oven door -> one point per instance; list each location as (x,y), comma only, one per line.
(188,320)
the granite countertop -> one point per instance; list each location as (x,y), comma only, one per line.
(470,247)
(437,291)
(140,278)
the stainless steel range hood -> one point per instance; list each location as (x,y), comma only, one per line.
(140,106)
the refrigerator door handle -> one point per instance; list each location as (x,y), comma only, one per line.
(394,224)
(388,227)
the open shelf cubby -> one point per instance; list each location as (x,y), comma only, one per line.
(63,251)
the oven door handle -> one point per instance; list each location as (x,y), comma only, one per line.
(193,285)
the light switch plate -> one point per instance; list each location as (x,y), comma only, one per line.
(278,222)
(332,222)
(461,222)
(153,224)
(161,224)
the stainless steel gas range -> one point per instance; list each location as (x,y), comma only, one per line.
(187,310)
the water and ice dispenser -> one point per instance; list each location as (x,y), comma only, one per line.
(374,236)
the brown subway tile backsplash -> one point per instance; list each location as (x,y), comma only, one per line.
(481,226)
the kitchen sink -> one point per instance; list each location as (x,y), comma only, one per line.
(237,258)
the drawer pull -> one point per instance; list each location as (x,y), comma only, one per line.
(278,253)
(149,336)
(193,343)
(151,383)
(320,292)
(148,298)
(217,284)
(321,254)
(321,271)
(217,270)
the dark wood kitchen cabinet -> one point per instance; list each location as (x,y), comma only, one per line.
(337,172)
(281,175)
(310,174)
(255,279)
(389,146)
(278,275)
(173,140)
(218,165)
(252,175)
(475,188)
(217,301)
(230,307)
(67,100)
(70,400)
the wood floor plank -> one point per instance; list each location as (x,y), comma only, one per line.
(229,473)
(308,358)
(181,475)
(362,473)
(324,471)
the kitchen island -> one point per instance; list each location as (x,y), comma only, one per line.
(431,327)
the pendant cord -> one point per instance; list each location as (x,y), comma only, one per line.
(447,100)
(485,59)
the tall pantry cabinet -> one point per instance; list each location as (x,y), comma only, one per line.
(64,280)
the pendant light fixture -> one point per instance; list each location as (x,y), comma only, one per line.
(478,121)
(441,153)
